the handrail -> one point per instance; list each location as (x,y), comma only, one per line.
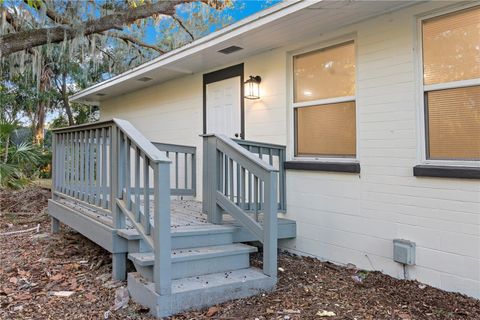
(79,127)
(141,141)
(228,169)
(244,153)
(111,165)
(274,154)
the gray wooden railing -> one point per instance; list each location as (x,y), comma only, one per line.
(275,155)
(111,166)
(233,177)
(81,165)
(183,169)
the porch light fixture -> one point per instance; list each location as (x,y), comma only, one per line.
(252,87)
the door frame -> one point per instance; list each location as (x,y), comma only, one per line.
(219,75)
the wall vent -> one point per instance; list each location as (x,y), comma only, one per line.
(101,94)
(230,49)
(144,79)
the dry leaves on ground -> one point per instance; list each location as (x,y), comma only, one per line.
(66,276)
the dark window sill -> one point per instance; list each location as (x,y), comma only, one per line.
(446,172)
(350,167)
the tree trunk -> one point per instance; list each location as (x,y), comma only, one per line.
(40,113)
(40,125)
(66,103)
(7,145)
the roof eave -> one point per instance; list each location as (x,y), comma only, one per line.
(260,18)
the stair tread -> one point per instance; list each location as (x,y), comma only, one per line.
(129,234)
(230,278)
(147,258)
(204,229)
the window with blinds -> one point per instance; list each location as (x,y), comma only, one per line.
(324,102)
(326,130)
(451,73)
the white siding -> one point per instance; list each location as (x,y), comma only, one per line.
(348,218)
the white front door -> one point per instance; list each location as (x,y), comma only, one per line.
(223,107)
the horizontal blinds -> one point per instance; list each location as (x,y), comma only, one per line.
(326,130)
(454,124)
(451,47)
(326,73)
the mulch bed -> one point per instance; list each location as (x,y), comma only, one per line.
(35,267)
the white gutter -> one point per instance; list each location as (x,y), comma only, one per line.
(254,21)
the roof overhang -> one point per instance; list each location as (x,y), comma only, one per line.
(294,20)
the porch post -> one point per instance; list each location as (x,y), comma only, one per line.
(270,226)
(119,259)
(210,179)
(162,272)
(55,223)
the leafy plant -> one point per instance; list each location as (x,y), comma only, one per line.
(20,163)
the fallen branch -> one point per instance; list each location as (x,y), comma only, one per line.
(36,229)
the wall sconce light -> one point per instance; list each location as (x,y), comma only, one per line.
(252,87)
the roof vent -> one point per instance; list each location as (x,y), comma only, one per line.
(101,94)
(230,49)
(144,79)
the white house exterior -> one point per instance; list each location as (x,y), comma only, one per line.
(343,217)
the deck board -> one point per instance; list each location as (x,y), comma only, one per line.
(188,214)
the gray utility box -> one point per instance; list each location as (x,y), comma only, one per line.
(404,251)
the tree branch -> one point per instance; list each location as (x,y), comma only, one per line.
(180,23)
(14,42)
(50,13)
(133,40)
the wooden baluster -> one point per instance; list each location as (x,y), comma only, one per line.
(81,182)
(220,172)
(146,194)
(230,174)
(243,188)
(104,168)
(255,192)
(128,177)
(86,182)
(98,166)
(260,187)
(176,170)
(185,161)
(121,163)
(194,174)
(136,208)
(60,161)
(68,163)
(225,174)
(77,165)
(237,193)
(91,179)
(250,190)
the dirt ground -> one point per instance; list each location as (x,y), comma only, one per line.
(65,276)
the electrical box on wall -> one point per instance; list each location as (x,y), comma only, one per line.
(404,251)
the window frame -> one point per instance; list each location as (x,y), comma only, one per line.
(294,105)
(422,89)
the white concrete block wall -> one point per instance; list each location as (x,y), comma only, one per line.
(347,218)
(354,218)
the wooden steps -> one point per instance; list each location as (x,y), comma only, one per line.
(199,291)
(207,268)
(197,261)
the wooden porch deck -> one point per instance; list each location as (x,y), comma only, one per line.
(186,213)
